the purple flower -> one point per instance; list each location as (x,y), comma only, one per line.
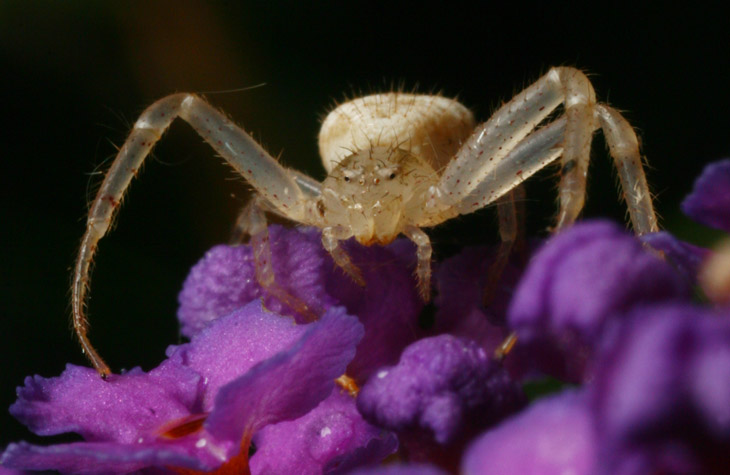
(199,408)
(662,393)
(388,306)
(443,389)
(595,306)
(224,280)
(709,202)
(684,257)
(333,436)
(582,279)
(410,469)
(553,436)
(460,281)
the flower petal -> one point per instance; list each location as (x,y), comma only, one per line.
(402,469)
(224,279)
(388,306)
(289,384)
(683,256)
(662,392)
(709,202)
(121,408)
(99,457)
(580,280)
(461,281)
(331,436)
(553,436)
(442,384)
(231,346)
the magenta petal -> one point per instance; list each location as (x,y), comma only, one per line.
(553,436)
(118,409)
(289,384)
(224,279)
(234,344)
(709,202)
(331,436)
(99,457)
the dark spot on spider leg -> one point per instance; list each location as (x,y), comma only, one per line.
(567,167)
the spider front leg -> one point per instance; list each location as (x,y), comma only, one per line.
(261,170)
(331,237)
(423,252)
(252,224)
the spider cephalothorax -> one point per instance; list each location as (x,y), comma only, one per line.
(375,193)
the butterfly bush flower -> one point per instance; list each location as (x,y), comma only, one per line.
(241,373)
(580,282)
(443,391)
(596,307)
(553,436)
(388,306)
(709,202)
(445,385)
(199,407)
(662,393)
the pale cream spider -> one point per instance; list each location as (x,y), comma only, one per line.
(396,163)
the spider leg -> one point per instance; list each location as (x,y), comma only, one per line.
(423,252)
(511,214)
(482,156)
(310,188)
(487,165)
(579,101)
(624,148)
(252,222)
(533,153)
(331,237)
(261,170)
(245,225)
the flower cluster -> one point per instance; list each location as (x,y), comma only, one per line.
(640,370)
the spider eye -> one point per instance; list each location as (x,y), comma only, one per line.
(392,175)
(347,178)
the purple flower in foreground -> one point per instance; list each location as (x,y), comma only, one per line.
(553,436)
(662,393)
(581,280)
(224,280)
(196,410)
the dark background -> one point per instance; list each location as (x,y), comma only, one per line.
(76,75)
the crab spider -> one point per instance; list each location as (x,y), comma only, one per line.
(396,163)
